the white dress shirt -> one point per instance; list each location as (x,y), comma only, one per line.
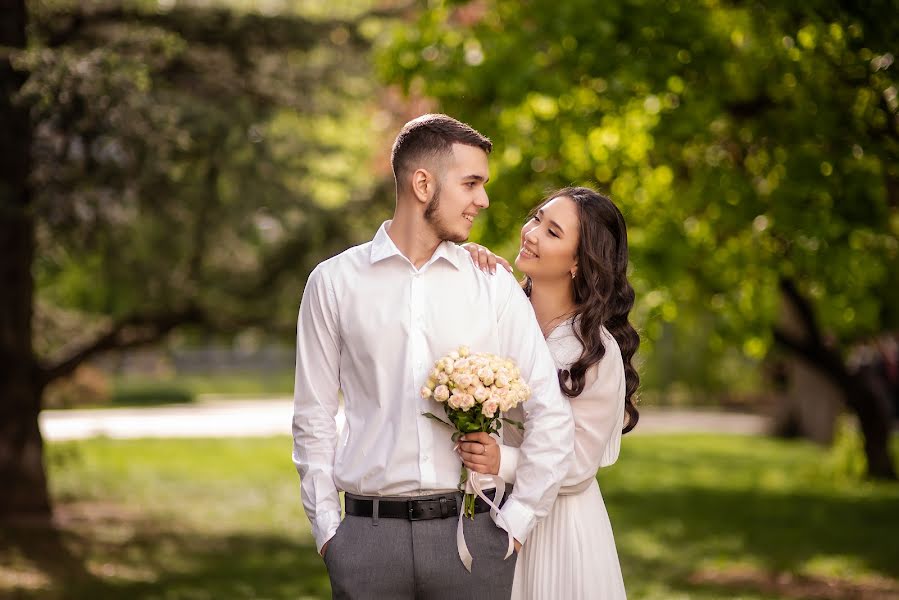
(371,325)
(598,412)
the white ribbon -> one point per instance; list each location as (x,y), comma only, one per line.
(474,485)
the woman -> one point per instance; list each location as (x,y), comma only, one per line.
(574,256)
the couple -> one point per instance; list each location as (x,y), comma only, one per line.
(372,321)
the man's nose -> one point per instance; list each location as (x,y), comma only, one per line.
(482,201)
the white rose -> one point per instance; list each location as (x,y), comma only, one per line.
(485,374)
(464,351)
(454,355)
(466,402)
(481,393)
(507,403)
(525,392)
(489,408)
(441,393)
(464,380)
(425,392)
(442,378)
(455,399)
(502,381)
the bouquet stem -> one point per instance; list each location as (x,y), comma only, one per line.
(468,500)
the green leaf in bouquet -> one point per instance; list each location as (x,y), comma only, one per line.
(436,418)
(517,424)
(464,421)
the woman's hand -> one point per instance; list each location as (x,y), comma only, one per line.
(479,452)
(485,259)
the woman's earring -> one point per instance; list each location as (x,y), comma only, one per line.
(573,273)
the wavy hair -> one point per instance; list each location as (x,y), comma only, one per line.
(603,295)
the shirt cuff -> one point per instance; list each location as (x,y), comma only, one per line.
(519,518)
(324,528)
(508,462)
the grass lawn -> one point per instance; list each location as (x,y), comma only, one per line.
(695,516)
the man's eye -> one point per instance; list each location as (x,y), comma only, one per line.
(553,233)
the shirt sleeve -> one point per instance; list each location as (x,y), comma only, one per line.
(548,440)
(599,416)
(508,462)
(315,405)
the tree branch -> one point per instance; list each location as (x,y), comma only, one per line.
(132,331)
(822,360)
(803,309)
(214,26)
(750,108)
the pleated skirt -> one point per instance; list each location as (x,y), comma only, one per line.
(571,553)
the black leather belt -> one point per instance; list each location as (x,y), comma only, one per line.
(414,509)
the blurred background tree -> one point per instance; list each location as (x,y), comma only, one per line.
(752,146)
(181,166)
(168,166)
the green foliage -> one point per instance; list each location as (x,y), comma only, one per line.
(192,156)
(126,389)
(744,142)
(150,395)
(846,459)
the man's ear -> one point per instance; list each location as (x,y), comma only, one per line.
(422,185)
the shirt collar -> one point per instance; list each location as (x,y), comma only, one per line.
(382,247)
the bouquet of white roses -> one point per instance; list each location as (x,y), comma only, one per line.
(474,390)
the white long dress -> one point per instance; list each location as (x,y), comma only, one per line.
(571,553)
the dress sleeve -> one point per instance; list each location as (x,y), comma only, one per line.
(598,416)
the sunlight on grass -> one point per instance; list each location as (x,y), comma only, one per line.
(684,503)
(695,517)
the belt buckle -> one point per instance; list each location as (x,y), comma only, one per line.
(411,509)
(439,508)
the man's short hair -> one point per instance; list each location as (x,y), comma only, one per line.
(429,137)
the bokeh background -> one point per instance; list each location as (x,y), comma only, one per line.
(172,170)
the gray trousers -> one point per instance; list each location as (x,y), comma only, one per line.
(397,558)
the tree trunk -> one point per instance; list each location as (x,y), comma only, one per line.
(874,416)
(876,428)
(22,475)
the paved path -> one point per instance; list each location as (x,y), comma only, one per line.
(214,416)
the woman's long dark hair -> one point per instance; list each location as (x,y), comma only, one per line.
(602,294)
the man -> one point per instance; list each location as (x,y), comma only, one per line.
(372,322)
